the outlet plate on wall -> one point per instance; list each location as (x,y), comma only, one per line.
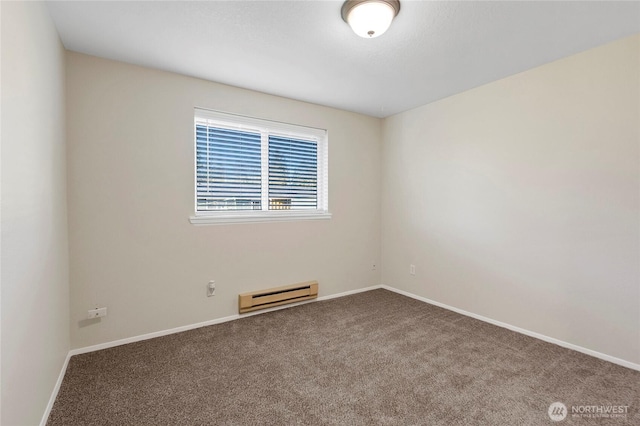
(97,313)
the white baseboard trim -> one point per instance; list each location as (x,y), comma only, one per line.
(161,333)
(56,389)
(548,339)
(148,336)
(349,293)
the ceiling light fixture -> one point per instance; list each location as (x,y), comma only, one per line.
(370,18)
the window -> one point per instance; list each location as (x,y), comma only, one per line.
(253,170)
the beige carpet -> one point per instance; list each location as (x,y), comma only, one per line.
(367,359)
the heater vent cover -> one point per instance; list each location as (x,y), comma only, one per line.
(277,296)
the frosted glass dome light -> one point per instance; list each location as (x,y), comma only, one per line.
(370,18)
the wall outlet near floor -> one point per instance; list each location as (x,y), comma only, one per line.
(412,269)
(211,288)
(373,265)
(97,313)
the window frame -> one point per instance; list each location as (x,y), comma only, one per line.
(265,128)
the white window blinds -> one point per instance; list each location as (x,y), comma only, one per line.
(293,173)
(228,169)
(257,165)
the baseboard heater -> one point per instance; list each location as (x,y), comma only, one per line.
(277,296)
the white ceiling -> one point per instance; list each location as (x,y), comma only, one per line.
(303,50)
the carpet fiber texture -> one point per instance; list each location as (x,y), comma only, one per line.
(374,358)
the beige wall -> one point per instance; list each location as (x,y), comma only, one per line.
(519,200)
(130,171)
(35,287)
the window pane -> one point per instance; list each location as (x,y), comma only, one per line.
(228,171)
(293,174)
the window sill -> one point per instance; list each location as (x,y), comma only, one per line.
(252,217)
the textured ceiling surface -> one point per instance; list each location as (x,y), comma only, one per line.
(304,50)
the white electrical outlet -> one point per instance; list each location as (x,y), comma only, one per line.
(211,288)
(412,269)
(96,313)
(373,265)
